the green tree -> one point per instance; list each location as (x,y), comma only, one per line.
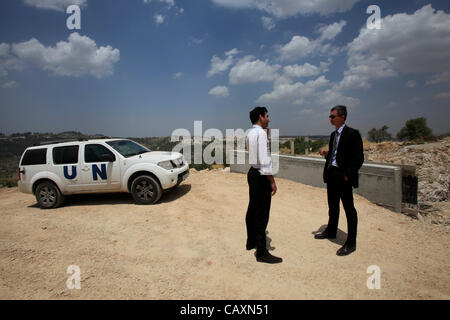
(379,135)
(414,129)
(317,144)
(300,144)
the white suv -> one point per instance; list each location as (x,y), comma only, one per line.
(94,166)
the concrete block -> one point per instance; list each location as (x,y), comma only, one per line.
(379,183)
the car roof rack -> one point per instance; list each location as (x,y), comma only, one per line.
(43,143)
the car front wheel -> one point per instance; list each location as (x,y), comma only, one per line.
(146,190)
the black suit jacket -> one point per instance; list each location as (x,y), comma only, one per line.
(349,156)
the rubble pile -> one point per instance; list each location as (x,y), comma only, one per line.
(431,161)
(432,169)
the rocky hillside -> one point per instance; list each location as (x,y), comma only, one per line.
(432,169)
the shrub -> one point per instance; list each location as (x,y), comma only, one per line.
(379,135)
(415,129)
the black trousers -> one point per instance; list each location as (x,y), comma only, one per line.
(338,189)
(258,210)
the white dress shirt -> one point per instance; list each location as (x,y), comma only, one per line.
(258,150)
(333,156)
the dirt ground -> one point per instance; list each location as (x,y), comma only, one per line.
(191,245)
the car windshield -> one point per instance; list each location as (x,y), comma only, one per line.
(127,148)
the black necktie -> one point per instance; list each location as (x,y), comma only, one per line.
(334,148)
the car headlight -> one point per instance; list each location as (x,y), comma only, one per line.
(178,162)
(168,165)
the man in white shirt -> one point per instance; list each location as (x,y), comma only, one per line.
(261,184)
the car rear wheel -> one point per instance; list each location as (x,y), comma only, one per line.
(146,190)
(48,195)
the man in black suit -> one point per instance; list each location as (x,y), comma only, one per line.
(343,160)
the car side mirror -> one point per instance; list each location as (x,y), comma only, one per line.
(107,157)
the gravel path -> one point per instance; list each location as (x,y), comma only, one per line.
(191,245)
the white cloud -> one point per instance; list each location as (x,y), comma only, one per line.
(443,95)
(312,93)
(301,46)
(443,77)
(170,3)
(363,69)
(9,84)
(236,3)
(331,98)
(195,41)
(324,65)
(4,49)
(219,91)
(306,70)
(168,6)
(417,43)
(232,52)
(285,92)
(59,5)
(8,61)
(79,56)
(159,18)
(411,84)
(407,44)
(177,75)
(218,65)
(268,23)
(288,8)
(295,93)
(329,32)
(249,70)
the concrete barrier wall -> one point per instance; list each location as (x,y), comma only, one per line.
(379,183)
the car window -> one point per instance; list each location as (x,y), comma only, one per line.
(65,155)
(34,157)
(94,152)
(127,148)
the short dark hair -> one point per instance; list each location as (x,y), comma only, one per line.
(256,112)
(341,111)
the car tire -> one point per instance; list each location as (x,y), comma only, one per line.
(48,195)
(146,190)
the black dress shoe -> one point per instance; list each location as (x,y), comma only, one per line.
(324,235)
(268,258)
(346,250)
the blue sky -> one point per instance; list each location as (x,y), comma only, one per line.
(146,68)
